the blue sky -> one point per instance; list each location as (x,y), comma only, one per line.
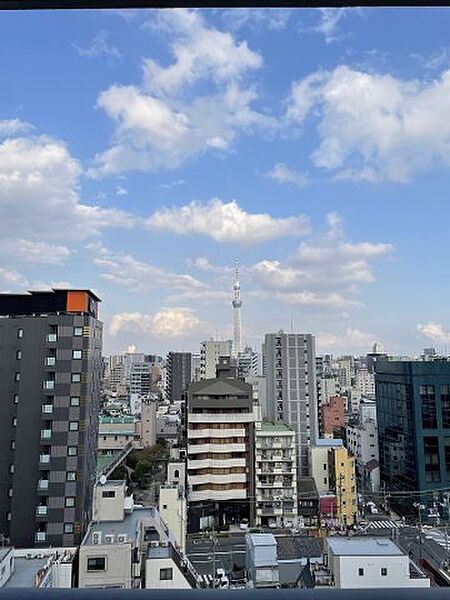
(141,151)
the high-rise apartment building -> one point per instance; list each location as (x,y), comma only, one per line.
(210,352)
(50,376)
(275,474)
(179,374)
(413,413)
(290,365)
(220,447)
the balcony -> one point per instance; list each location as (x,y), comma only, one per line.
(41,511)
(50,361)
(40,536)
(51,337)
(49,384)
(44,459)
(43,484)
(46,434)
(47,409)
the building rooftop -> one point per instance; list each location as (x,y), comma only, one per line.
(126,419)
(261,539)
(131,526)
(25,570)
(160,551)
(329,442)
(270,426)
(341,546)
(292,548)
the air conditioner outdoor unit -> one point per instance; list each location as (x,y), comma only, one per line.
(154,544)
(96,537)
(122,537)
(110,539)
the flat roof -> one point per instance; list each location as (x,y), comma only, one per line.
(271,426)
(129,526)
(261,539)
(343,546)
(25,570)
(125,419)
(328,442)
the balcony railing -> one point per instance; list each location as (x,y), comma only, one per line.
(43,484)
(51,337)
(44,458)
(40,536)
(47,409)
(49,385)
(50,361)
(41,511)
(46,434)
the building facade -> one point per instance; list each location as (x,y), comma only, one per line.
(413,413)
(290,368)
(179,374)
(275,474)
(220,438)
(332,415)
(50,377)
(210,352)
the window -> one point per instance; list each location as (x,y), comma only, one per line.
(14,421)
(361,572)
(176,473)
(20,333)
(76,354)
(72,450)
(428,403)
(71,476)
(165,506)
(431,456)
(69,502)
(16,398)
(97,563)
(19,354)
(11,468)
(73,425)
(384,571)
(17,377)
(165,574)
(77,331)
(68,527)
(76,377)
(109,494)
(445,405)
(13,445)
(75,401)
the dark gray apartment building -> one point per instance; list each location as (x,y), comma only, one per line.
(179,370)
(290,370)
(50,377)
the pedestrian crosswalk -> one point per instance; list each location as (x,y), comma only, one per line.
(383,524)
(439,537)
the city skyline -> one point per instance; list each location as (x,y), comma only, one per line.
(153,147)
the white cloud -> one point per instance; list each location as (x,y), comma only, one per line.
(283,174)
(138,276)
(226,222)
(11,279)
(275,19)
(324,272)
(121,191)
(99,47)
(329,22)
(374,126)
(199,52)
(167,322)
(351,339)
(196,104)
(10,127)
(434,331)
(39,192)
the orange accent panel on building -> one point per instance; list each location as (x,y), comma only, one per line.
(77,302)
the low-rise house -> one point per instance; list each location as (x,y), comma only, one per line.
(261,560)
(167,568)
(364,563)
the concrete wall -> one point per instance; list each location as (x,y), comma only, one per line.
(172,508)
(108,508)
(153,567)
(118,567)
(346,570)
